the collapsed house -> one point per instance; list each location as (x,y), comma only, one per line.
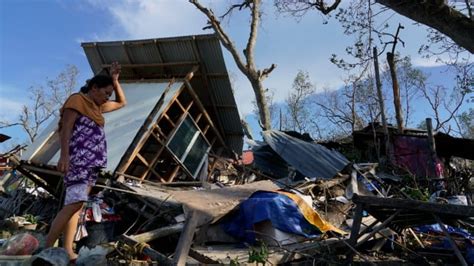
(180,194)
(412,148)
(180,109)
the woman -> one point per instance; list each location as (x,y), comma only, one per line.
(83,149)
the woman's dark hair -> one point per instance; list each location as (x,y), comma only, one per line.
(100,81)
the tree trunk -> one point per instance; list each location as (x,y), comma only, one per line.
(264,111)
(378,85)
(437,15)
(353,107)
(396,91)
(247,66)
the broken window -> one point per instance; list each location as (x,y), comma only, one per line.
(188,145)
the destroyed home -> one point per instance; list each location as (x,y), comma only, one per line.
(180,110)
(178,190)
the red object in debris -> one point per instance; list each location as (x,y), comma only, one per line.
(247,157)
(21,244)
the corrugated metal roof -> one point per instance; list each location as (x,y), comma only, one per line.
(309,158)
(121,126)
(179,54)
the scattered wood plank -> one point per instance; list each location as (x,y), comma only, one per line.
(186,238)
(157,233)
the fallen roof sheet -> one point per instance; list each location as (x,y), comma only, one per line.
(121,126)
(309,158)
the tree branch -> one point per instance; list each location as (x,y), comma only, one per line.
(245,4)
(223,37)
(249,50)
(437,15)
(264,74)
(4,124)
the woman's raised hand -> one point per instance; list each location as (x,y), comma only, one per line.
(115,70)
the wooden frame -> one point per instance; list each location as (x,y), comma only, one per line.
(149,150)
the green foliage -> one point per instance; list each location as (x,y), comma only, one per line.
(258,254)
(466,122)
(31,218)
(422,194)
(234,262)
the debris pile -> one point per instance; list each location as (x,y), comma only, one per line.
(243,214)
(177,191)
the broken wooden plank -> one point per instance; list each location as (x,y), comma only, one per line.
(423,207)
(378,228)
(356,224)
(451,241)
(186,238)
(157,233)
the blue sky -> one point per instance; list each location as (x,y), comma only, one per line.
(40,37)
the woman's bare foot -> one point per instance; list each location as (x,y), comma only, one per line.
(73,256)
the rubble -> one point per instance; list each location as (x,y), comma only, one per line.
(169,198)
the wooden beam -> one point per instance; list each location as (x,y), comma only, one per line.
(141,180)
(378,228)
(206,115)
(140,138)
(186,238)
(446,209)
(356,222)
(157,233)
(173,174)
(38,181)
(188,63)
(169,120)
(451,241)
(42,170)
(205,79)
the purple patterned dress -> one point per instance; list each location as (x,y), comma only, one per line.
(87,154)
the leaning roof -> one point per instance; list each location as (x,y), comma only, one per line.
(165,58)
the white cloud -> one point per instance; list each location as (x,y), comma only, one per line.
(142,19)
(150,18)
(426,62)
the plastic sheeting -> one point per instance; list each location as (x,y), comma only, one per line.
(436,229)
(282,210)
(121,126)
(414,154)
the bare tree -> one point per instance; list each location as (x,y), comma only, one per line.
(349,108)
(45,102)
(445,17)
(438,15)
(299,115)
(247,66)
(396,89)
(465,123)
(410,80)
(445,107)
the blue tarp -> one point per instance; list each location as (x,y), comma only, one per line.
(261,206)
(436,228)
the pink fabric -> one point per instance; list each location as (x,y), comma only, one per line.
(413,153)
